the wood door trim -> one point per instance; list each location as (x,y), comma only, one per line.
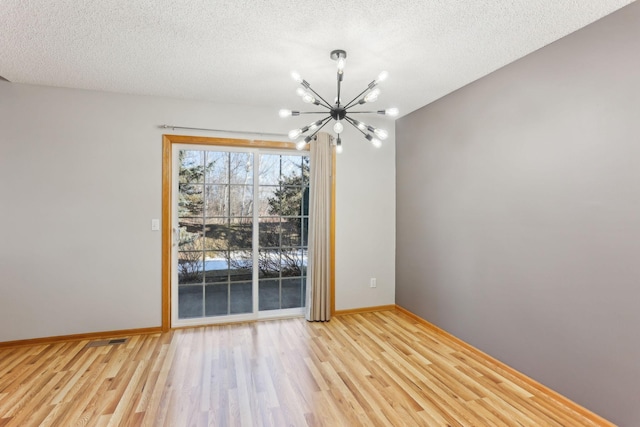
(167,154)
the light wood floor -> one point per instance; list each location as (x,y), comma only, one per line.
(372,369)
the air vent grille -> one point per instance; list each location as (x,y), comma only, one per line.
(102,343)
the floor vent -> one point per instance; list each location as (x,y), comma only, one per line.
(102,343)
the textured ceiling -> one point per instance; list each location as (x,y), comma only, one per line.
(242,51)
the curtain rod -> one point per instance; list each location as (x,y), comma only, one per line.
(221,130)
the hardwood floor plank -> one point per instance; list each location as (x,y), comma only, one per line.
(362,369)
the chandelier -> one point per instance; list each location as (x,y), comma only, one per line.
(338,111)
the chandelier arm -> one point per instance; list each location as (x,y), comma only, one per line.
(326,104)
(350,120)
(312,112)
(339,78)
(364,112)
(351,103)
(327,120)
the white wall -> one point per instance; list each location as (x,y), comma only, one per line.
(80,180)
(365,220)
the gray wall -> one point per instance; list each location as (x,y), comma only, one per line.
(80,181)
(518,215)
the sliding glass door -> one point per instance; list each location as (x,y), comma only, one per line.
(240,234)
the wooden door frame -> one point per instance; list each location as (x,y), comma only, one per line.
(168,142)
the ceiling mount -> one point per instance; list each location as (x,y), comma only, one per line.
(338,53)
(338,111)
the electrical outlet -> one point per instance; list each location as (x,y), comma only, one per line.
(372,282)
(155,225)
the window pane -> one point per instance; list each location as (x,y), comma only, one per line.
(290,201)
(291,167)
(241,168)
(216,267)
(216,300)
(189,301)
(269,294)
(269,232)
(269,203)
(241,298)
(189,267)
(291,230)
(304,262)
(305,170)
(269,173)
(241,233)
(190,200)
(217,200)
(292,293)
(268,263)
(241,202)
(216,234)
(191,166)
(217,167)
(291,261)
(305,231)
(240,265)
(305,200)
(191,234)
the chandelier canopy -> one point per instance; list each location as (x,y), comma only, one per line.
(338,111)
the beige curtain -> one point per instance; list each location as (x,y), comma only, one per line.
(319,258)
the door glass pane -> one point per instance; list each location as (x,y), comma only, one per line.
(240,265)
(283,223)
(216,267)
(292,293)
(189,267)
(241,200)
(191,166)
(215,208)
(216,300)
(269,232)
(268,263)
(269,204)
(241,168)
(269,295)
(240,234)
(190,200)
(217,169)
(216,234)
(216,260)
(216,197)
(241,298)
(190,298)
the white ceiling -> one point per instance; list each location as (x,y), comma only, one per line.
(242,51)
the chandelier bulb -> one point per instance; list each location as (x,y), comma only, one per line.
(382,77)
(372,96)
(294,134)
(393,112)
(301,92)
(308,98)
(374,141)
(381,133)
(296,77)
(341,63)
(339,146)
(285,113)
(338,127)
(360,125)
(300,144)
